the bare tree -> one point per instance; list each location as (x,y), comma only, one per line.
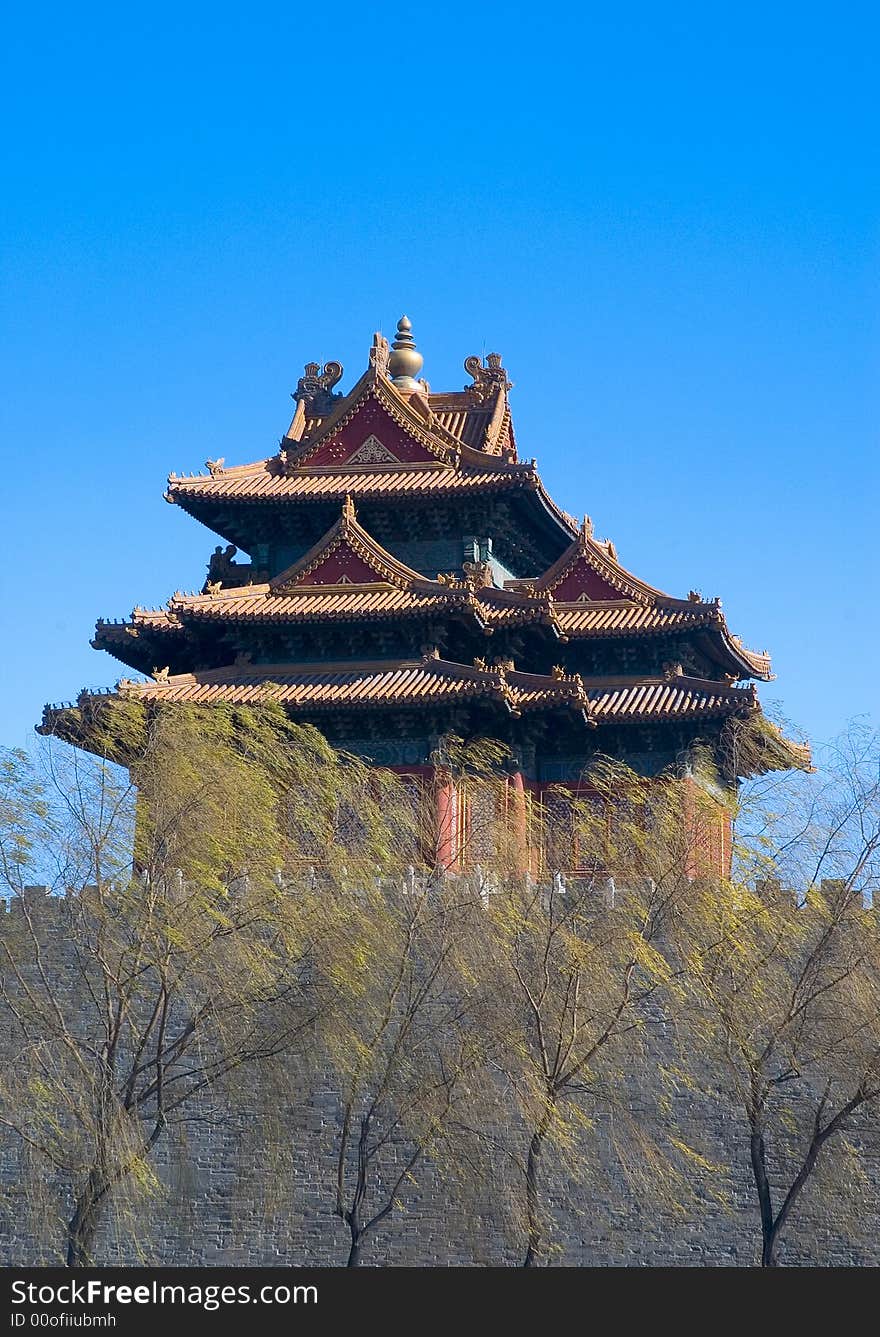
(400,1040)
(784,985)
(179,950)
(580,965)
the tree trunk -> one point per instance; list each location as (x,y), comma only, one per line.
(533,1205)
(354,1227)
(769,1233)
(83,1225)
(768,1251)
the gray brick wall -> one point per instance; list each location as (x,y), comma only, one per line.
(223,1198)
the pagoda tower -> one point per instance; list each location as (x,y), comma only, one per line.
(396,575)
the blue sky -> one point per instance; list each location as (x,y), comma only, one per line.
(665,218)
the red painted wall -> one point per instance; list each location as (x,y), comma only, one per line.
(340,563)
(369,420)
(582,579)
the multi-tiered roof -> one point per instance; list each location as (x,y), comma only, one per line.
(410,576)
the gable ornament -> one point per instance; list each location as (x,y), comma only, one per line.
(488,377)
(372,451)
(315,388)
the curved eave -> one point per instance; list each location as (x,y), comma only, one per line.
(560,522)
(142,645)
(727,652)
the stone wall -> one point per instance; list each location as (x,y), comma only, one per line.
(223,1199)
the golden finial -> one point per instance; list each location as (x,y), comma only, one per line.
(348,511)
(405,361)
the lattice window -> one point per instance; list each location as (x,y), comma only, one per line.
(407,816)
(350,830)
(559,830)
(591,831)
(575,831)
(308,833)
(484,815)
(627,821)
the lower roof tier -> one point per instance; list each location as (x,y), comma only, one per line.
(432,681)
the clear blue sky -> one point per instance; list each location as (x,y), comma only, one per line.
(664,216)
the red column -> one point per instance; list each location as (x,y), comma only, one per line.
(446,801)
(518,819)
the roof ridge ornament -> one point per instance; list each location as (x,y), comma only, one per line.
(405,360)
(315,388)
(379,354)
(487,377)
(348,509)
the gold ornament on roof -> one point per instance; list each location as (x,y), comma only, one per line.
(405,361)
(215,467)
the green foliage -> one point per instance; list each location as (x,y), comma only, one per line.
(239,911)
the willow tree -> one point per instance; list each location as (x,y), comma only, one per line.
(397,1033)
(783,978)
(581,973)
(171,943)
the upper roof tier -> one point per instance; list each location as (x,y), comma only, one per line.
(390,437)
